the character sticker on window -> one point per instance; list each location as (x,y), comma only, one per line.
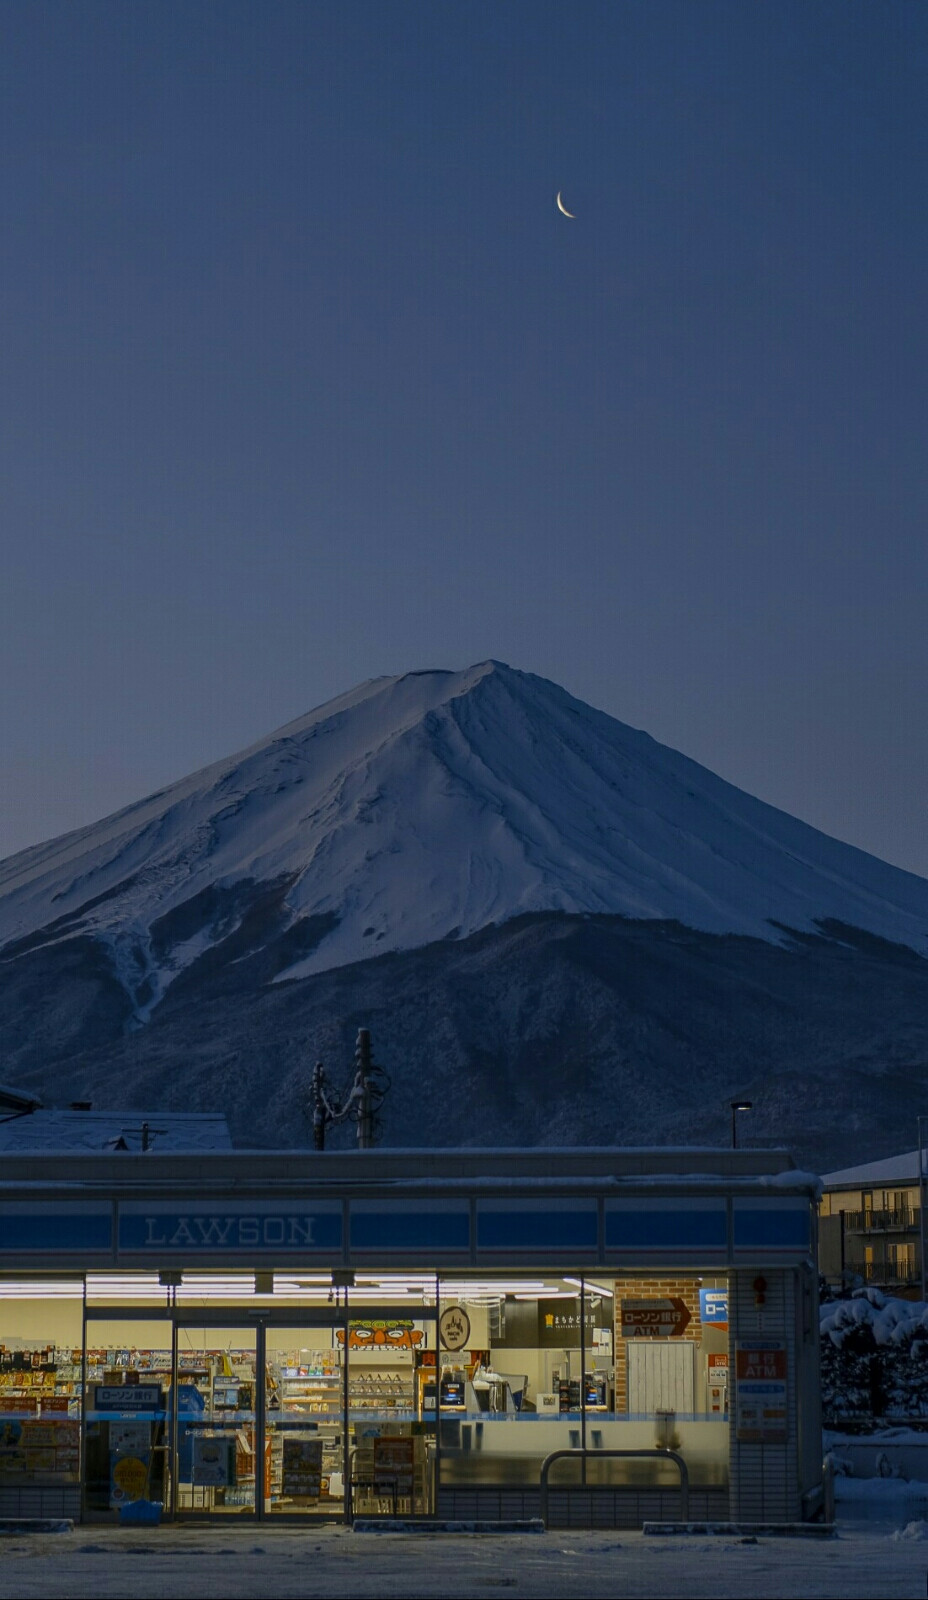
(392,1335)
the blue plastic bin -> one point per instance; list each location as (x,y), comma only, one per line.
(138,1511)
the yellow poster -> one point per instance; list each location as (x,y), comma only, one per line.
(130,1477)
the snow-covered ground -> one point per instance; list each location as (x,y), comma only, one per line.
(898,1502)
(880,1549)
(430,806)
(239,1563)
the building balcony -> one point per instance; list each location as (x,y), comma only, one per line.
(886,1274)
(903,1220)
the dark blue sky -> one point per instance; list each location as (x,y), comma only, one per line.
(304,379)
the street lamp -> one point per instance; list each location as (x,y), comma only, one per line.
(736,1106)
(919,1123)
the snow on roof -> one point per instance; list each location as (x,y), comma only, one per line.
(50,1131)
(892,1169)
(18,1099)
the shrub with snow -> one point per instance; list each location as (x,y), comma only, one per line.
(874,1357)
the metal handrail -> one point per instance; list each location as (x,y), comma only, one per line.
(888,1272)
(600,1455)
(883,1219)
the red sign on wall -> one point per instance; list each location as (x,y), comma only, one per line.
(760,1391)
(762,1361)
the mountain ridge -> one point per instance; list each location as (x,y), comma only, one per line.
(558,930)
(430,805)
(549,1030)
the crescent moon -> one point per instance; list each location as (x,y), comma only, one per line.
(561,206)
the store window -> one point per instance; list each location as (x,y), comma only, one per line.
(669,1377)
(532,1366)
(511,1376)
(40,1394)
(282,1394)
(319,1399)
(127,1401)
(391,1388)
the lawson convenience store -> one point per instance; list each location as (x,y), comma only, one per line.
(303,1335)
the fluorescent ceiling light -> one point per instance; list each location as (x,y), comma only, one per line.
(591,1287)
(23,1289)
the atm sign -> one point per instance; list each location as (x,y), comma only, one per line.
(760,1391)
(759,1364)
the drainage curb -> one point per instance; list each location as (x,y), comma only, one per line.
(399,1525)
(10,1526)
(744,1530)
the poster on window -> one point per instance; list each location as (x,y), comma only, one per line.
(213,1462)
(394,1460)
(12,1453)
(302,1469)
(130,1455)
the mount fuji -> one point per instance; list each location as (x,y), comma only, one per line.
(483,840)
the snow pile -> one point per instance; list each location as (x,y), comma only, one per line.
(889,1321)
(912,1530)
(883,1500)
(429,807)
(879,1491)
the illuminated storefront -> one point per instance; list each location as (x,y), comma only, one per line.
(409,1333)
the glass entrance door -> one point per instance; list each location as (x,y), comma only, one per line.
(258,1416)
(220,1465)
(304,1421)
(391,1415)
(218,1411)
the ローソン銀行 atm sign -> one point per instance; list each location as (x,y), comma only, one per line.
(760,1391)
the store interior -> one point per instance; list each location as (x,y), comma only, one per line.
(277,1394)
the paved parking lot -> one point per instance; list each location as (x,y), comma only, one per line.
(186,1561)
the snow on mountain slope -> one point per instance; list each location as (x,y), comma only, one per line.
(429,806)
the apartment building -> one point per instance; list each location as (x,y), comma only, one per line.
(870,1226)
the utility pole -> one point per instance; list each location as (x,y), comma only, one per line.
(736,1106)
(362,1056)
(360,1102)
(319,1114)
(147,1136)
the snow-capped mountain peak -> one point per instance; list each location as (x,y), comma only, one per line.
(429,806)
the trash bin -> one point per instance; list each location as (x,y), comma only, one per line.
(141,1511)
